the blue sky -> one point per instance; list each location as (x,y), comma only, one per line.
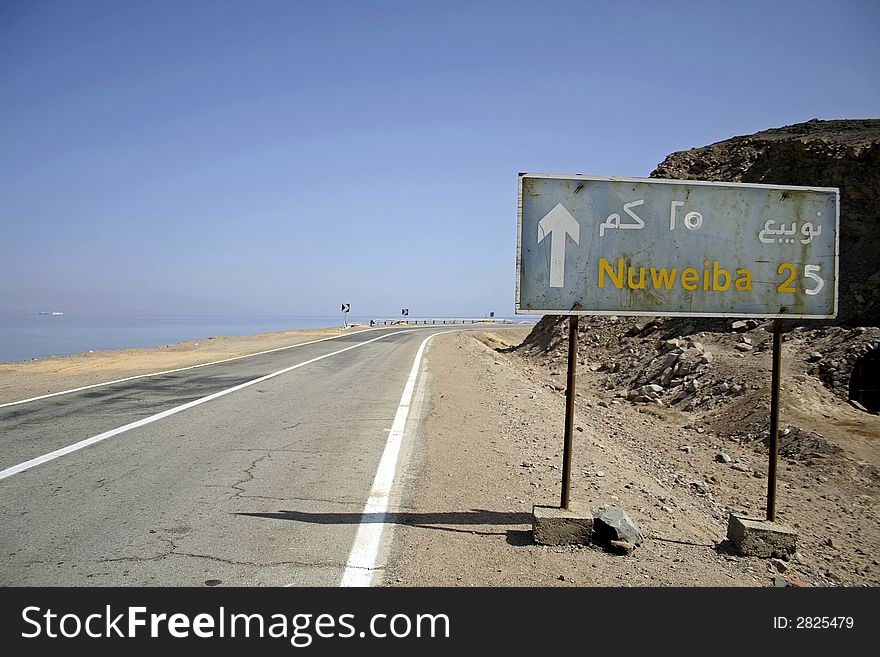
(283,157)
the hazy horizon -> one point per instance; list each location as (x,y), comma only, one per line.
(281,158)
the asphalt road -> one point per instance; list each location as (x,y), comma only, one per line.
(262,486)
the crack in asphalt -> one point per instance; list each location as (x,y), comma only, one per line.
(250,475)
(233,562)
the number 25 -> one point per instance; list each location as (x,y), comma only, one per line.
(810,271)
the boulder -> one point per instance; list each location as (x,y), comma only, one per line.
(613,524)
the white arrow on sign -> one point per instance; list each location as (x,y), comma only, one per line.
(557,223)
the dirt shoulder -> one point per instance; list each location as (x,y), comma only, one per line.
(57,373)
(492,442)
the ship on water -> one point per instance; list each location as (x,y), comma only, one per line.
(46,312)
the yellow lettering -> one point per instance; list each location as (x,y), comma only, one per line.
(785,286)
(605,268)
(718,273)
(715,278)
(636,286)
(663,277)
(743,280)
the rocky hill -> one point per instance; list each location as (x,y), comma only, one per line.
(843,154)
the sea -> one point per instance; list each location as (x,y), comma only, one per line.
(28,336)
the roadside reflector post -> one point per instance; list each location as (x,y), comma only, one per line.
(569,408)
(774,420)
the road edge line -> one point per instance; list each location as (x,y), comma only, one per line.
(361,565)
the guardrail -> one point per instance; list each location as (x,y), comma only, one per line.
(440,320)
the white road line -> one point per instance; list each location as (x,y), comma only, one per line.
(179,369)
(27,465)
(362,559)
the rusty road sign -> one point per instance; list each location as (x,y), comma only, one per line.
(631,246)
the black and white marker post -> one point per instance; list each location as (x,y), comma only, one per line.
(345,308)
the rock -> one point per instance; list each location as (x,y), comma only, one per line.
(699,486)
(780,565)
(687,449)
(648,392)
(739,346)
(623,548)
(613,524)
(780,582)
(797,582)
(721,457)
(742,467)
(740,326)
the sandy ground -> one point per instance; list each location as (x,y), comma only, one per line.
(492,440)
(47,375)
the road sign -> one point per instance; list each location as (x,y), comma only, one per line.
(346,307)
(630,246)
(404,312)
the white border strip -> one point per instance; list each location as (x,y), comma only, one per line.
(27,465)
(364,555)
(179,369)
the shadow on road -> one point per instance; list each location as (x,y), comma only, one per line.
(422,520)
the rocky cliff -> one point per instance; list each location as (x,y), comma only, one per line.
(843,154)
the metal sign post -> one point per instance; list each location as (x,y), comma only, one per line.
(774,420)
(569,408)
(345,308)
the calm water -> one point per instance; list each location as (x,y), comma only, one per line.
(23,337)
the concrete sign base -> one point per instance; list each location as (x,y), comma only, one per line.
(552,525)
(755,537)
